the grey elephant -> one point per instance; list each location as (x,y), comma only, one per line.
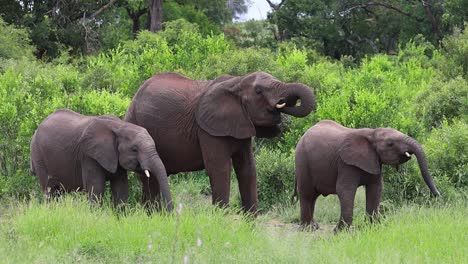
(210,124)
(81,152)
(333,159)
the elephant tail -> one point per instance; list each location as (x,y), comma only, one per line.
(31,168)
(294,196)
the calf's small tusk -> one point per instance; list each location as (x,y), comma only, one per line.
(407,154)
(279,106)
(147,173)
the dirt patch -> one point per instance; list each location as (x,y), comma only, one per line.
(280,227)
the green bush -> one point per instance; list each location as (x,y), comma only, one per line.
(14,42)
(447,152)
(455,49)
(443,100)
(275,177)
(237,62)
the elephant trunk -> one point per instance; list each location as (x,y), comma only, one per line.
(295,92)
(158,170)
(416,148)
(153,167)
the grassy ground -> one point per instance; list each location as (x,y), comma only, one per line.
(72,231)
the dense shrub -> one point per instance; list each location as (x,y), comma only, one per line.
(275,177)
(455,49)
(443,100)
(447,152)
(14,42)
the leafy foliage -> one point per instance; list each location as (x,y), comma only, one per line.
(443,101)
(14,42)
(275,177)
(447,149)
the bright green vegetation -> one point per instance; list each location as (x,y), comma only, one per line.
(72,231)
(420,89)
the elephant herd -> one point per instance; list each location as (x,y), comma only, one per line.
(176,124)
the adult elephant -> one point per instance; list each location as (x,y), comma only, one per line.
(332,159)
(72,152)
(206,124)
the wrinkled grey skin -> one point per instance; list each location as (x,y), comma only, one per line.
(332,159)
(73,152)
(209,125)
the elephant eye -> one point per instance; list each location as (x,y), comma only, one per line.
(389,143)
(258,90)
(134,148)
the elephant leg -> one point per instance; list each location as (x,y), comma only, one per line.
(348,179)
(373,194)
(216,153)
(151,193)
(347,205)
(244,166)
(94,179)
(119,187)
(41,173)
(307,203)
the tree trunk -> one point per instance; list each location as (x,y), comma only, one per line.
(430,16)
(135,16)
(136,25)
(155,18)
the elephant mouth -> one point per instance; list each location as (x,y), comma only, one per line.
(404,157)
(268,131)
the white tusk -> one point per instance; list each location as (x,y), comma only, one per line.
(147,173)
(279,106)
(407,154)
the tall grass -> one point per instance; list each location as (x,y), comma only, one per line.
(71,231)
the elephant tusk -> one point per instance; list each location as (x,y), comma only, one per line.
(407,154)
(279,106)
(147,173)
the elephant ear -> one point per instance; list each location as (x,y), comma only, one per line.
(358,151)
(100,143)
(220,111)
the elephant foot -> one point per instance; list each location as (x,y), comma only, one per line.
(315,226)
(342,227)
(310,227)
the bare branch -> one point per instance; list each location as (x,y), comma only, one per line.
(275,6)
(104,7)
(382,4)
(430,15)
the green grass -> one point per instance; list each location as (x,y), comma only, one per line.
(71,231)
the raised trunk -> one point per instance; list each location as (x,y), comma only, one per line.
(295,92)
(416,148)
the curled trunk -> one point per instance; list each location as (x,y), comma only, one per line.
(416,148)
(295,92)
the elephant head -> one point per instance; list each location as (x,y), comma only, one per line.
(251,105)
(112,142)
(369,148)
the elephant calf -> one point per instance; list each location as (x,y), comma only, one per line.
(332,159)
(81,152)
